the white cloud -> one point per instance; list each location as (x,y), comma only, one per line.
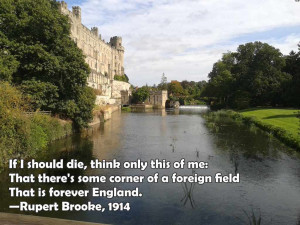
(183,38)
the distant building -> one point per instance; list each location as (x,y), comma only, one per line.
(157,99)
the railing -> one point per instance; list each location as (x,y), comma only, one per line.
(38,112)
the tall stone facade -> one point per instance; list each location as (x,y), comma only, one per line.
(105,59)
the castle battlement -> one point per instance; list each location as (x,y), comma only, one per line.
(105,59)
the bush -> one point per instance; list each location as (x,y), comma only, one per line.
(140,95)
(23,135)
(121,78)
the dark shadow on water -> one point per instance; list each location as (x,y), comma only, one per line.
(67,149)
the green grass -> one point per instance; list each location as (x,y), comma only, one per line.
(281,123)
(285,119)
(126,109)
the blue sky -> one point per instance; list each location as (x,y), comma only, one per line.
(183,38)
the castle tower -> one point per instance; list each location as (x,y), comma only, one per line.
(116,42)
(118,67)
(63,5)
(77,12)
(95,31)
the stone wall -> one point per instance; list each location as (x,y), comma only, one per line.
(157,99)
(118,87)
(104,114)
(106,59)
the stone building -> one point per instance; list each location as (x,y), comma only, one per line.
(157,99)
(105,59)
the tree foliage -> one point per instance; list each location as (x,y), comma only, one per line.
(22,135)
(121,78)
(292,88)
(140,95)
(252,76)
(35,40)
(163,85)
(175,88)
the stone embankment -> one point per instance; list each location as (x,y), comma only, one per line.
(103,113)
(18,219)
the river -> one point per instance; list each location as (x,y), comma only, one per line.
(269,186)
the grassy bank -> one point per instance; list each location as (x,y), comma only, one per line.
(28,136)
(281,123)
(126,109)
(285,119)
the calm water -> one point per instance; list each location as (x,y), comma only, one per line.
(269,172)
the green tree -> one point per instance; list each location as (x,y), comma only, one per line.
(40,43)
(175,89)
(253,75)
(8,63)
(163,85)
(259,71)
(140,95)
(42,95)
(292,88)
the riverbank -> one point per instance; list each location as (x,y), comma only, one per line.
(17,219)
(24,132)
(30,134)
(25,136)
(281,123)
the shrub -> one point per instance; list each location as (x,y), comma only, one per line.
(23,135)
(121,78)
(140,95)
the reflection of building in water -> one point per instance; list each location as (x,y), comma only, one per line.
(157,99)
(106,138)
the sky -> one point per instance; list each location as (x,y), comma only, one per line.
(184,38)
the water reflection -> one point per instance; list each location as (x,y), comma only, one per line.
(188,189)
(269,172)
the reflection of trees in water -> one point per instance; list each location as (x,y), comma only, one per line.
(67,149)
(80,149)
(230,135)
(234,158)
(243,146)
(252,218)
(174,139)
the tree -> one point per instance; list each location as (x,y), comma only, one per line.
(259,71)
(42,95)
(253,75)
(163,85)
(140,95)
(37,40)
(292,88)
(175,88)
(8,63)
